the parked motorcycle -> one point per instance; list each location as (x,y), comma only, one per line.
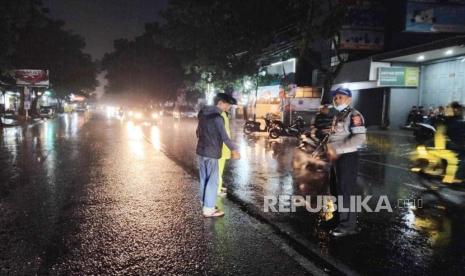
(311,152)
(254,126)
(279,129)
(310,160)
(311,168)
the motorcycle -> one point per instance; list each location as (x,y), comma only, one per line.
(312,168)
(436,167)
(423,132)
(254,126)
(311,152)
(310,161)
(279,129)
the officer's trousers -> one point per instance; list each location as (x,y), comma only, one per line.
(344,183)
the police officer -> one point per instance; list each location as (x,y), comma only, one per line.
(323,120)
(349,133)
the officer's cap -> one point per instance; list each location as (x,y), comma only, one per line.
(341,91)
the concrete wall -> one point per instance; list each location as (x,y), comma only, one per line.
(443,83)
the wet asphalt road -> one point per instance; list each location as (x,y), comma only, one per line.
(84,194)
(418,241)
(78,195)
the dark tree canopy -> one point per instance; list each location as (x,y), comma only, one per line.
(143,67)
(227,40)
(31,40)
(223,38)
(48,46)
(15,15)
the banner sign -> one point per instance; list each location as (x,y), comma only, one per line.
(398,76)
(29,77)
(265,93)
(362,40)
(435,16)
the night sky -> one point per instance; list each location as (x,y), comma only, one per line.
(102,21)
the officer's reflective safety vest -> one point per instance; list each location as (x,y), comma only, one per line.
(225,151)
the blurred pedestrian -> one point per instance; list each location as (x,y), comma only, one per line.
(211,135)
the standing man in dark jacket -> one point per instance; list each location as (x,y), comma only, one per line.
(212,134)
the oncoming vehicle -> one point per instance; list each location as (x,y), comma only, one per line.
(142,115)
(47,112)
(184,112)
(167,111)
(80,107)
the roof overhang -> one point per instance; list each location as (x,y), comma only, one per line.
(357,85)
(442,49)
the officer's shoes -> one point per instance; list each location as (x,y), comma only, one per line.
(342,232)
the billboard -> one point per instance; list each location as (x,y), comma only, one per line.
(267,94)
(398,76)
(29,77)
(362,40)
(435,16)
(363,26)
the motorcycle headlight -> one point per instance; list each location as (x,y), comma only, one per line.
(421,150)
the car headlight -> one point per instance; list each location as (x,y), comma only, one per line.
(130,113)
(154,115)
(138,115)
